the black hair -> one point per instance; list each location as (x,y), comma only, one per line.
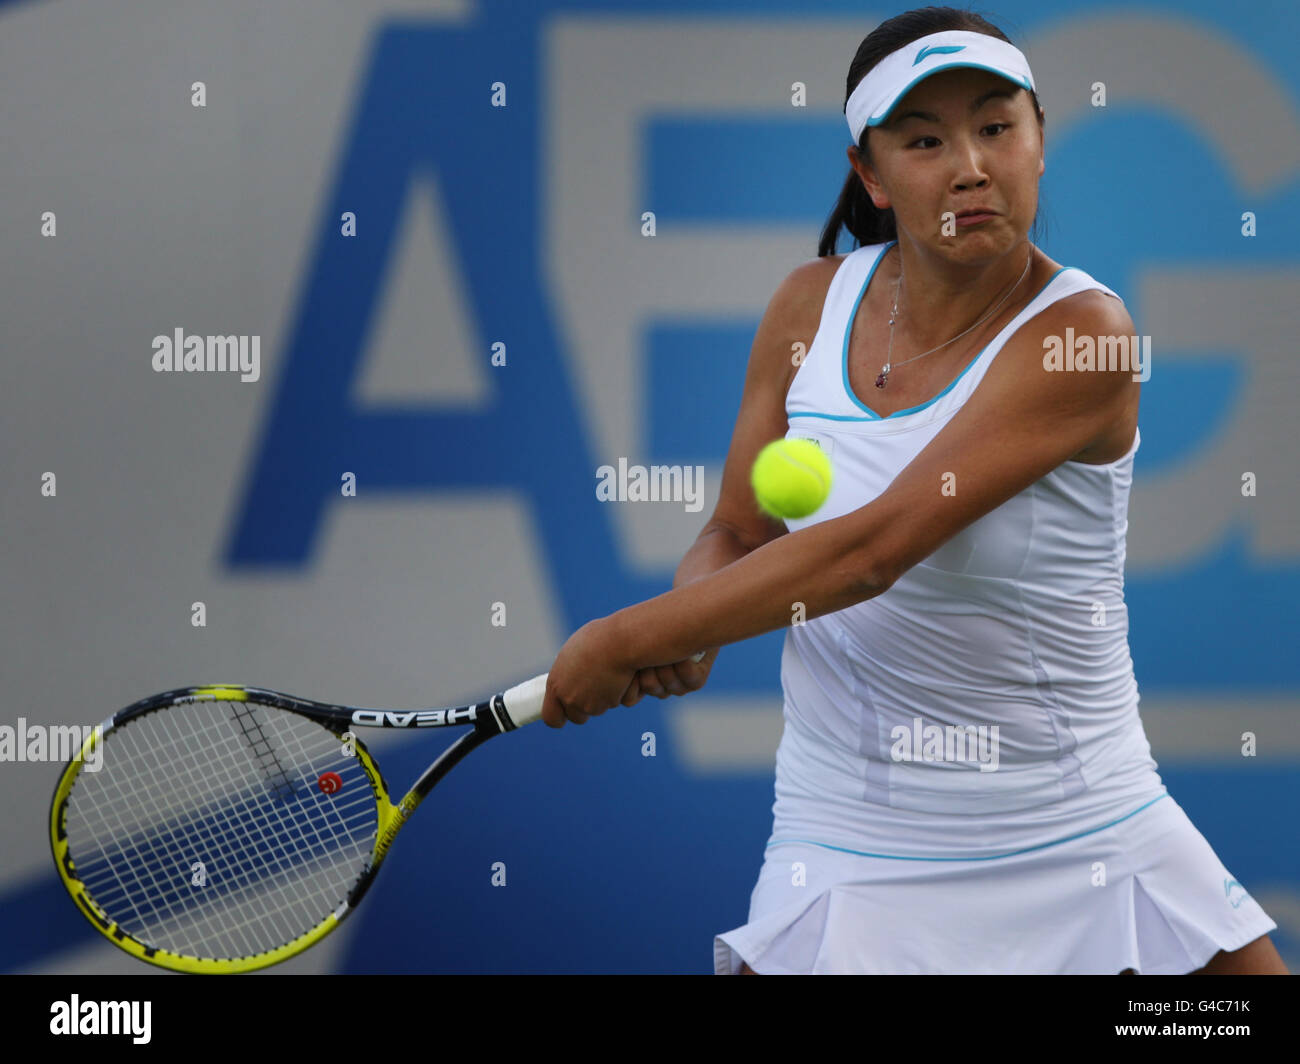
(854,211)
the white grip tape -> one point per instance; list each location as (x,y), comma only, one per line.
(524,700)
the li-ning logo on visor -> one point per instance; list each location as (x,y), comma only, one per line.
(938,49)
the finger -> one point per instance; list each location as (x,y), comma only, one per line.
(649,680)
(552,711)
(700,666)
(695,673)
(670,681)
(574,714)
(691,675)
(633,693)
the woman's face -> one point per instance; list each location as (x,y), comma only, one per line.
(961,139)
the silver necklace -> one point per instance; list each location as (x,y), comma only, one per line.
(883,377)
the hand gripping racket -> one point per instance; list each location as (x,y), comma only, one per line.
(229,828)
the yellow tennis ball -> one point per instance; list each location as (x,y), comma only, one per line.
(791,478)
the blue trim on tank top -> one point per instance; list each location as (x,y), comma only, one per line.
(844,362)
(992,857)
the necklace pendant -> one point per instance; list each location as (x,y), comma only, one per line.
(882,378)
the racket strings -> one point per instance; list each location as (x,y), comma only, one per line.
(251,814)
(263,749)
(196,841)
(218,917)
(153,863)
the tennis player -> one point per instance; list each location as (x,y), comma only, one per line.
(963,784)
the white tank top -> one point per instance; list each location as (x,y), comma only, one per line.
(1017,623)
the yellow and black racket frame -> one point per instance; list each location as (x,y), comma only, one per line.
(488,719)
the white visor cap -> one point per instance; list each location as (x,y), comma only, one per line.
(893,77)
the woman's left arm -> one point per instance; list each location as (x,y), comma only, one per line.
(1020,423)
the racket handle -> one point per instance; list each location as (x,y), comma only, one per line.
(523,702)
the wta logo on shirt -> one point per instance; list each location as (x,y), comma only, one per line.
(952,742)
(1240,895)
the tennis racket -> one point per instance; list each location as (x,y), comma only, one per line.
(229,828)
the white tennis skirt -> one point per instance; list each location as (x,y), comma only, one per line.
(1146,893)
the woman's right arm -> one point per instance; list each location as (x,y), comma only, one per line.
(738,526)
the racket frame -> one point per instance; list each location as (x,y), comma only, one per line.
(488,719)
